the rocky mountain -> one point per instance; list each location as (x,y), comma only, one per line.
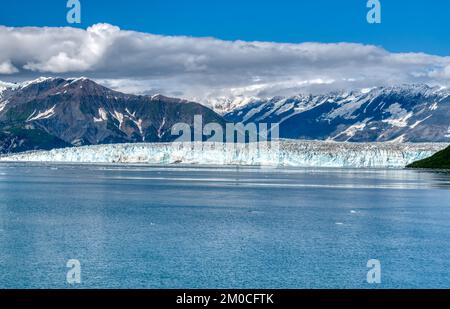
(409,113)
(54,112)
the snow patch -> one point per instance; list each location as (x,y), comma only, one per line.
(132,114)
(419,122)
(347,108)
(352,130)
(284,108)
(103,116)
(366,90)
(253,112)
(138,123)
(160,132)
(42,115)
(35,81)
(3,105)
(119,117)
(7,86)
(399,116)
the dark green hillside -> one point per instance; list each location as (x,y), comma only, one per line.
(439,160)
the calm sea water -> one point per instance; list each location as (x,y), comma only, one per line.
(198,227)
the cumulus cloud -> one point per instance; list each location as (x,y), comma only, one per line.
(7,68)
(198,68)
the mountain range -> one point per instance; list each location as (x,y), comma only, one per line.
(408,113)
(52,113)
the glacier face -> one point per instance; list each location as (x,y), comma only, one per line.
(282,153)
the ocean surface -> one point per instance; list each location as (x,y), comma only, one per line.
(216,227)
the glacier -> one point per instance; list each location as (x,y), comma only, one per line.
(289,153)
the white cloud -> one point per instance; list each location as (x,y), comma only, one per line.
(200,67)
(7,68)
(441,73)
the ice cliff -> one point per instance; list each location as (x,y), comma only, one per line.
(283,153)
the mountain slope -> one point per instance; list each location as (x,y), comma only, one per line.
(409,113)
(440,160)
(55,112)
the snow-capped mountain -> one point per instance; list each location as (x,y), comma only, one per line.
(50,113)
(224,105)
(5,89)
(409,113)
(54,112)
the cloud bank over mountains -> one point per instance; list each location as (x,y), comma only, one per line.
(197,68)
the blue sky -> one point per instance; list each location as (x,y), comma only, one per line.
(407,25)
(210,49)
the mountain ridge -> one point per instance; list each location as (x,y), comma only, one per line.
(53,112)
(407,113)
